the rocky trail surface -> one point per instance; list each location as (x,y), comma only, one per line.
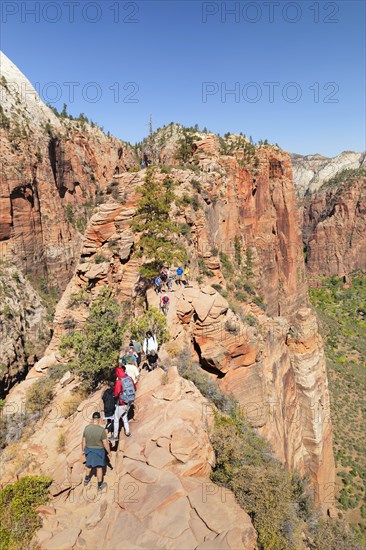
(159,493)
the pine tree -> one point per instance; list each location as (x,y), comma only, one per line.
(158,243)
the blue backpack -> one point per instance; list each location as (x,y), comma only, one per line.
(127,395)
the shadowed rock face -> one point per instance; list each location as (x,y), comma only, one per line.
(23,327)
(52,170)
(334,229)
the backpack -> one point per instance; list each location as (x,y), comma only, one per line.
(127,395)
(108,402)
(165,299)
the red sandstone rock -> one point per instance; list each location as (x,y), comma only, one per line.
(334,229)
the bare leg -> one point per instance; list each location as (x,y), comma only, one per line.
(100,475)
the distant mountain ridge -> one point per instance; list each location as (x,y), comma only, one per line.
(311,171)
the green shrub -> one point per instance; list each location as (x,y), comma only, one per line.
(241,296)
(100,258)
(237,247)
(226,265)
(78,298)
(152,320)
(196,185)
(18,517)
(184,229)
(195,202)
(94,351)
(334,535)
(39,395)
(244,464)
(206,385)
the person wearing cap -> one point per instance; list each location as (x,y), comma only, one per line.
(95,446)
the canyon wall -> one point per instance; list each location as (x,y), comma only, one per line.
(53,172)
(334,228)
(272,361)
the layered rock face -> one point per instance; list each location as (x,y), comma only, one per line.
(23,327)
(54,171)
(334,228)
(274,368)
(276,371)
(311,171)
(159,492)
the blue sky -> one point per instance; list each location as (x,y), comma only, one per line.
(296,69)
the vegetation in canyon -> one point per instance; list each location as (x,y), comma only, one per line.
(341,311)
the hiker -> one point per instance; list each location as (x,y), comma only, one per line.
(152,360)
(179,276)
(157,285)
(187,273)
(164,304)
(138,350)
(125,391)
(171,278)
(109,405)
(95,446)
(150,343)
(130,362)
(164,274)
(129,358)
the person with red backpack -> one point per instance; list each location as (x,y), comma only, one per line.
(124,391)
(164,304)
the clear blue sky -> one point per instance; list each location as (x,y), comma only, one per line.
(170,50)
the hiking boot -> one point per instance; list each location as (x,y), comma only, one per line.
(86,481)
(128,434)
(102,486)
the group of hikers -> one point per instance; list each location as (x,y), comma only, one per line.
(118,404)
(164,283)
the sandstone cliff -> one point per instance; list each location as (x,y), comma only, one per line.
(274,366)
(334,228)
(54,171)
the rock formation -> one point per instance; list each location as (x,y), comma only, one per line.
(54,171)
(236,207)
(159,492)
(24,330)
(311,171)
(334,228)
(275,368)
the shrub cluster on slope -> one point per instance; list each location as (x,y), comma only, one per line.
(279,502)
(93,352)
(342,316)
(18,517)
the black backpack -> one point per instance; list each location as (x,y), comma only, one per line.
(108,402)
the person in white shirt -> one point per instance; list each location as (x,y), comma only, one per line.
(150,343)
(132,371)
